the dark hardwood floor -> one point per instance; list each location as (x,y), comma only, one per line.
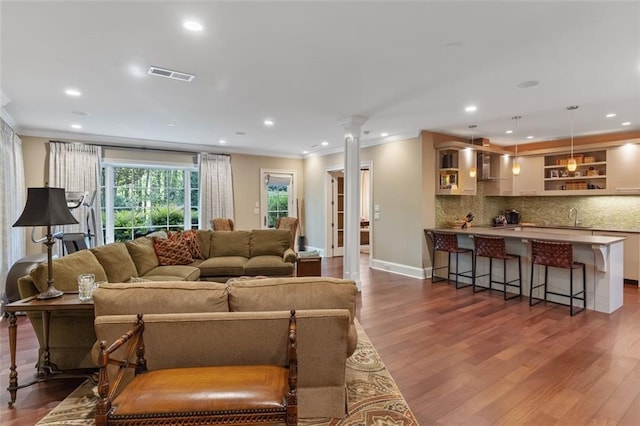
(457,357)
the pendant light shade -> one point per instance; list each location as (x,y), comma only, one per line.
(515,168)
(571,163)
(473,171)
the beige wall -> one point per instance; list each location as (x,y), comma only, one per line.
(36,174)
(396,171)
(246,175)
(246,184)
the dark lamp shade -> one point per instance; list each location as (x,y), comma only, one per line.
(45,207)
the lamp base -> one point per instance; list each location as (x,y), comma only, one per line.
(50,293)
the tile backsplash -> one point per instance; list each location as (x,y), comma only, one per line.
(607,212)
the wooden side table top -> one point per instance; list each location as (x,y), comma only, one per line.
(66,302)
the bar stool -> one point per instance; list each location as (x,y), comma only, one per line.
(494,248)
(448,242)
(557,255)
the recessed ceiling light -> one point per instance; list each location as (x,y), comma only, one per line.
(222,141)
(76,126)
(171,124)
(509,132)
(305,152)
(73,92)
(384,135)
(471,108)
(613,114)
(529,137)
(324,143)
(192,26)
(626,123)
(269,122)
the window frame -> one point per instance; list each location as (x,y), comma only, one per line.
(263,193)
(109,189)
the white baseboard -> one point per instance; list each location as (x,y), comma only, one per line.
(396,268)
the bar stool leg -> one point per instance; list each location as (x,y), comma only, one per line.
(571,292)
(546,279)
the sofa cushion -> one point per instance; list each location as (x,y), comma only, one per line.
(190,239)
(160,297)
(116,261)
(143,254)
(230,243)
(268,265)
(204,241)
(269,242)
(223,266)
(66,270)
(300,293)
(173,273)
(172,252)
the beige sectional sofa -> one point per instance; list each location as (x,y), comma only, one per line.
(198,324)
(226,254)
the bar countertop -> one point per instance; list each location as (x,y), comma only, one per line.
(522,234)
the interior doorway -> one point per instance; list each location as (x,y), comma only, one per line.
(336,213)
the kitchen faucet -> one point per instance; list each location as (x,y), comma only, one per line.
(574,210)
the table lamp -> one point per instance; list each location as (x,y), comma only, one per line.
(46,207)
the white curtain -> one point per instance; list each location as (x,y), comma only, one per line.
(12,186)
(76,168)
(364,194)
(216,188)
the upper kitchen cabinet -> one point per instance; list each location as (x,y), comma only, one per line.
(454,172)
(529,181)
(589,178)
(622,174)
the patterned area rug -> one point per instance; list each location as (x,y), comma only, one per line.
(374,398)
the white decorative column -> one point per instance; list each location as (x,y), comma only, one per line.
(351,260)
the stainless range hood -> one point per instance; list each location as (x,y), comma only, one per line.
(488,166)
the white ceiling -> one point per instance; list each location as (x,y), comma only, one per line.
(406,66)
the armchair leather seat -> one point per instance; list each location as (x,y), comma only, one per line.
(188,390)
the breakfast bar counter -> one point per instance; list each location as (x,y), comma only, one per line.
(603,256)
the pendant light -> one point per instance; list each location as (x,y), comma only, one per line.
(472,171)
(571,164)
(515,168)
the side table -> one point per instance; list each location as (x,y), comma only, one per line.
(48,370)
(309,266)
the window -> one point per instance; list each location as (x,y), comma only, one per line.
(278,196)
(139,200)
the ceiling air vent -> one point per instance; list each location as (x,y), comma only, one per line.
(176,75)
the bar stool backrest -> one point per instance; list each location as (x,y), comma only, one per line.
(559,255)
(489,246)
(445,241)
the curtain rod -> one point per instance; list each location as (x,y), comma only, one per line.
(131,148)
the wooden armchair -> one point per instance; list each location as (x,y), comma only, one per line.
(241,394)
(290,223)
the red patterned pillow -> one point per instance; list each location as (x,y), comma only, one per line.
(171,252)
(190,238)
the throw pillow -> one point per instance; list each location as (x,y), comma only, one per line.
(190,238)
(171,252)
